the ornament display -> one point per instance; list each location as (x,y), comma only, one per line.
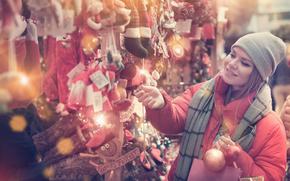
(95,52)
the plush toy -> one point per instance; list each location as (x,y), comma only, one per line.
(106,14)
(55,18)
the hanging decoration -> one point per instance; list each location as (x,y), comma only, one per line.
(96,53)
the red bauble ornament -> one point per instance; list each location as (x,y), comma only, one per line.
(214,160)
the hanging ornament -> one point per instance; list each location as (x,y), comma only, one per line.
(89,43)
(214,160)
(177,50)
(175,46)
(18,85)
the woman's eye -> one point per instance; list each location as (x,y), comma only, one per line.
(245,64)
(232,55)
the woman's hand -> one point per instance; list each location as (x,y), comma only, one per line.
(230,149)
(150,97)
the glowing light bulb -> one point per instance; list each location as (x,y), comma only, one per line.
(24,80)
(100,120)
(178,50)
(143,72)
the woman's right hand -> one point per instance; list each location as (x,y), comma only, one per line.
(150,97)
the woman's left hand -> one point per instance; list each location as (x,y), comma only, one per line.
(230,149)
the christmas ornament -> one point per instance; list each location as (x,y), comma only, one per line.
(214,160)
(93,10)
(167,16)
(145,29)
(89,43)
(110,149)
(100,137)
(145,160)
(121,161)
(18,86)
(49,17)
(132,37)
(107,14)
(110,50)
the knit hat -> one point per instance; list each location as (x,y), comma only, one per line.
(264,49)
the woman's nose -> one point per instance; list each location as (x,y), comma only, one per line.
(233,63)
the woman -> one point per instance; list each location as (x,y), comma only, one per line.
(285,117)
(236,102)
(280,82)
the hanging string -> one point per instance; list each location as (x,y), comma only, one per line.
(143,109)
(12,64)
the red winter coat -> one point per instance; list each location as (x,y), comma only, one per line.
(267,156)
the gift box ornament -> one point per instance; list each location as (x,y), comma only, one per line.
(93,89)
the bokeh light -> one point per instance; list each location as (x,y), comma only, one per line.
(65,146)
(23,79)
(48,172)
(100,120)
(18,123)
(178,50)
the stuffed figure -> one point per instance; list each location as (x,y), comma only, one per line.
(106,14)
(54,17)
(138,32)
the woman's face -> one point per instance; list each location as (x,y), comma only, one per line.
(237,68)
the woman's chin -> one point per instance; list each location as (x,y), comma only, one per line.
(225,78)
(228,81)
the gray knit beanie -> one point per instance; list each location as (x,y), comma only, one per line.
(264,49)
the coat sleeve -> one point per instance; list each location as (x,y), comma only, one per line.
(269,159)
(171,118)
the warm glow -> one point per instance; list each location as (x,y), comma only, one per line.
(24,79)
(178,50)
(18,123)
(144,72)
(89,43)
(48,172)
(100,120)
(178,45)
(65,146)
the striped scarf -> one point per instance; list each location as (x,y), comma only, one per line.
(199,113)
